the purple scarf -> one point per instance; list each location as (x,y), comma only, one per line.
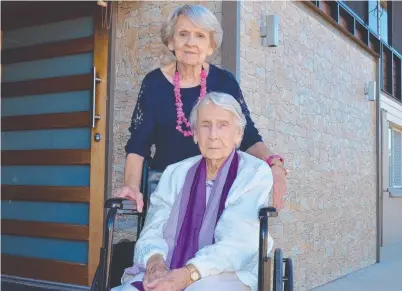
(190,216)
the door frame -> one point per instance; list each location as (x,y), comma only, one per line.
(98,148)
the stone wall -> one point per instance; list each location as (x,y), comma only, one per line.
(139,50)
(307,98)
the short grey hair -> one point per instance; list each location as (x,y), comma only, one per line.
(222,100)
(200,16)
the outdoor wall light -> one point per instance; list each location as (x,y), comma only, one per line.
(370,90)
(269,30)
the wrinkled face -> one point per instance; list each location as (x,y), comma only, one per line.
(217,132)
(190,43)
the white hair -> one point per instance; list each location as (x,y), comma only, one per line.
(222,100)
(200,16)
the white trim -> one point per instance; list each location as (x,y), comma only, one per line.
(47,285)
(393,108)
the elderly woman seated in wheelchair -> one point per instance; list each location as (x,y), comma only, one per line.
(202,228)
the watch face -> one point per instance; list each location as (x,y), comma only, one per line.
(194,276)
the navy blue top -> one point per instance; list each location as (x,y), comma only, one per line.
(154,117)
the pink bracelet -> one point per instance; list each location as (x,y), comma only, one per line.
(272,157)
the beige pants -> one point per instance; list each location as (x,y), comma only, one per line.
(225,281)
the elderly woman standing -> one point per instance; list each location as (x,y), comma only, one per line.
(167,95)
(194,237)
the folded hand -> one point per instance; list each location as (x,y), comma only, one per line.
(175,280)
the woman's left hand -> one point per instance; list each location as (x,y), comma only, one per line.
(279,187)
(176,280)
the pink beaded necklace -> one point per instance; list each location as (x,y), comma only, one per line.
(183,126)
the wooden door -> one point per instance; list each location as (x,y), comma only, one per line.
(54,85)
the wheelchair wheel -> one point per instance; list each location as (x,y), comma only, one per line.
(97,281)
(278,270)
(123,253)
(288,274)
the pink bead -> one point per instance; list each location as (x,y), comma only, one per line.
(181,118)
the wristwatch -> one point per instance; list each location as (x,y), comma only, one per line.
(194,274)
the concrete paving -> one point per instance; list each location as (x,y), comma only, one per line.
(384,276)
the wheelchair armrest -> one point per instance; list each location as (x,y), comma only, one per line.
(268,212)
(120,204)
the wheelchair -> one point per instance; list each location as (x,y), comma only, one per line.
(115,258)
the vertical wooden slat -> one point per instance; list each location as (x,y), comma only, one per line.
(98,149)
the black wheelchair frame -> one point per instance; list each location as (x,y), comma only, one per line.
(109,254)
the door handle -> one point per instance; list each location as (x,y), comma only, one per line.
(95,80)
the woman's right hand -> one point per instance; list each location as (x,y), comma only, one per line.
(156,270)
(132,193)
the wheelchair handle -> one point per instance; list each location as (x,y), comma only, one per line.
(115,202)
(268,212)
(118,203)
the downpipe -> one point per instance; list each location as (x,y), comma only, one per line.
(379,193)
